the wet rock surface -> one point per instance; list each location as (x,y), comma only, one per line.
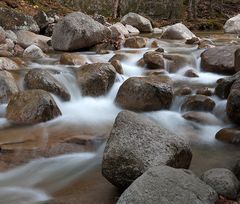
(135,42)
(198,103)
(229,135)
(32,106)
(95,79)
(43,79)
(219,59)
(145,93)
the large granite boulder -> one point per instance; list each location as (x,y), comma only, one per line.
(11,19)
(223,181)
(219,59)
(166,185)
(233,25)
(78,30)
(138,21)
(145,93)
(32,106)
(95,79)
(177,31)
(137,143)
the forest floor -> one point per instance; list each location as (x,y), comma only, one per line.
(206,19)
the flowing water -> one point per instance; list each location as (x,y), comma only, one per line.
(39,174)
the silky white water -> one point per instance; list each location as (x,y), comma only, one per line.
(35,181)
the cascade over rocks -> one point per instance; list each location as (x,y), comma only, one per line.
(223,181)
(76,31)
(219,59)
(166,185)
(138,21)
(8,86)
(177,31)
(233,25)
(32,106)
(137,143)
(11,19)
(145,93)
(43,79)
(95,79)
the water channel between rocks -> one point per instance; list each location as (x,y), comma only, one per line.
(87,117)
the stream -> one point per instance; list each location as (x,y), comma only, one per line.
(36,172)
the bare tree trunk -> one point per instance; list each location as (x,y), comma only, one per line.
(190,12)
(211,7)
(195,3)
(116,8)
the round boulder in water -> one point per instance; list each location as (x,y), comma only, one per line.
(198,103)
(135,42)
(166,185)
(154,60)
(229,135)
(95,79)
(223,181)
(73,59)
(137,143)
(43,79)
(78,30)
(32,106)
(145,93)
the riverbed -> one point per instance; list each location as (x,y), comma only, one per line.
(60,160)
